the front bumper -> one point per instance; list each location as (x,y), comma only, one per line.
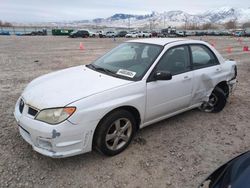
(57,141)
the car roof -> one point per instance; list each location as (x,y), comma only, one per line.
(159,41)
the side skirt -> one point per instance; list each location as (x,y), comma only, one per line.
(169,115)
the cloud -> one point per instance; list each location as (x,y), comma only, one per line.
(59,10)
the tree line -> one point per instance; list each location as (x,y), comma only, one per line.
(5,24)
(232,24)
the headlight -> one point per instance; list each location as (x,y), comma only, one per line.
(55,115)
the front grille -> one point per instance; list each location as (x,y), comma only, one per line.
(21,106)
(32,111)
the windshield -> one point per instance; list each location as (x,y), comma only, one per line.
(128,60)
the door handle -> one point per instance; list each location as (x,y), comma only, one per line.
(218,69)
(187,78)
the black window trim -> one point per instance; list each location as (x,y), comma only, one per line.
(150,77)
(205,66)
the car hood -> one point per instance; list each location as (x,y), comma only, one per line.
(63,87)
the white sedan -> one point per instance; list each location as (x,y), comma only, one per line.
(144,34)
(102,105)
(132,35)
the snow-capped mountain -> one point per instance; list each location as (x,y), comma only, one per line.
(159,20)
(174,18)
(226,14)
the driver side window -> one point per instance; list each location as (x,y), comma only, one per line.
(175,61)
(125,53)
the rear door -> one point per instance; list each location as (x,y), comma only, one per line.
(206,70)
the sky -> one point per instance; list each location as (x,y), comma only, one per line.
(68,10)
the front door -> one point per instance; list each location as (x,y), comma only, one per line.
(168,96)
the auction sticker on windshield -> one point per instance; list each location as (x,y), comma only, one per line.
(126,73)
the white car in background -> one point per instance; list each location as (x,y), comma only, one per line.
(101,34)
(132,35)
(144,34)
(93,34)
(110,34)
(181,33)
(102,105)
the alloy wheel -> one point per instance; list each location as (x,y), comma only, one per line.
(118,134)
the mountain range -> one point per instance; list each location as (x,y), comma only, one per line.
(165,19)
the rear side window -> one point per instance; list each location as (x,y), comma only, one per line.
(175,60)
(202,57)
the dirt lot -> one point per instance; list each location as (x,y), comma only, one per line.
(178,152)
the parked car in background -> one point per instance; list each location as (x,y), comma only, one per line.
(200,33)
(154,33)
(168,32)
(132,35)
(101,34)
(144,34)
(224,33)
(122,33)
(180,33)
(4,33)
(233,174)
(102,105)
(213,33)
(35,33)
(93,34)
(163,33)
(190,33)
(247,33)
(79,33)
(110,34)
(239,33)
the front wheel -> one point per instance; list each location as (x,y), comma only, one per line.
(115,132)
(216,102)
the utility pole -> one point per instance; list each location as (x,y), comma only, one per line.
(129,23)
(164,23)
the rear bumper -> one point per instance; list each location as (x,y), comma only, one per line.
(56,141)
(232,84)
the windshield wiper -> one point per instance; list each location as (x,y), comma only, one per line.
(107,71)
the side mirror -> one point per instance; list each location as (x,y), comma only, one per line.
(162,75)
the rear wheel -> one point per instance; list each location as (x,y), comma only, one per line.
(216,102)
(115,132)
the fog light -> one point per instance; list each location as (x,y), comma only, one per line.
(43,143)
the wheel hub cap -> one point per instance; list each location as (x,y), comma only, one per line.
(119,133)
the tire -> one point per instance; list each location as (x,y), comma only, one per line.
(115,132)
(217,101)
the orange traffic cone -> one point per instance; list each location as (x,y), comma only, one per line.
(245,49)
(229,49)
(81,46)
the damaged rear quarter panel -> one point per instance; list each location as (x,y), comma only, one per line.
(207,79)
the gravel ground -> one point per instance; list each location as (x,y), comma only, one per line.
(177,152)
